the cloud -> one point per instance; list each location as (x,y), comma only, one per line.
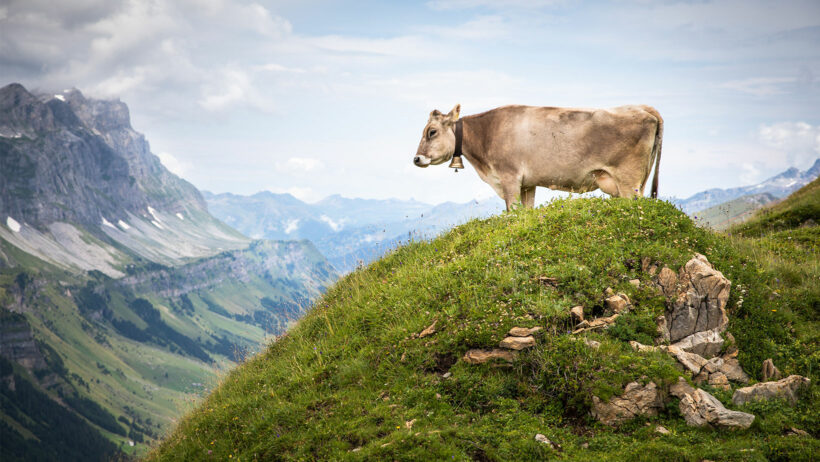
(749,174)
(334,225)
(791,136)
(495,4)
(291,225)
(230,88)
(761,86)
(173,164)
(299,164)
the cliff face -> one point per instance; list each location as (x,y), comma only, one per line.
(68,158)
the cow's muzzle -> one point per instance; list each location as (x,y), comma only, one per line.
(421,161)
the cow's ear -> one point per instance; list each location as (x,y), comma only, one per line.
(435,114)
(453,115)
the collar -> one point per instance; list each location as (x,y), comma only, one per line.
(459,132)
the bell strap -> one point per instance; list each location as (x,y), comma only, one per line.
(459,135)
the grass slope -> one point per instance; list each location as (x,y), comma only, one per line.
(350,375)
(735,211)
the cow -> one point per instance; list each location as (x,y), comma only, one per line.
(516,148)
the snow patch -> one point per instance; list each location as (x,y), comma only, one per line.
(13,224)
(123,225)
(107,223)
(156,223)
(291,225)
(179,215)
(60,97)
(334,225)
(154,214)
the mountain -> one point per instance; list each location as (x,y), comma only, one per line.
(386,366)
(121,297)
(779,186)
(722,216)
(347,231)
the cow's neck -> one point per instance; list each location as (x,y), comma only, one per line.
(471,145)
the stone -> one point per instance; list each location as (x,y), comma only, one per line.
(701,409)
(713,365)
(544,440)
(663,330)
(596,323)
(577,314)
(691,361)
(548,281)
(770,371)
(447,375)
(707,343)
(796,432)
(517,343)
(594,344)
(430,330)
(482,356)
(668,281)
(700,378)
(635,282)
(637,399)
(719,380)
(731,368)
(662,430)
(618,303)
(523,331)
(788,389)
(645,262)
(608,292)
(639,347)
(681,388)
(409,424)
(701,304)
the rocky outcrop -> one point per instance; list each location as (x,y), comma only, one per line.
(707,343)
(636,400)
(769,371)
(716,371)
(788,389)
(699,409)
(698,300)
(17,343)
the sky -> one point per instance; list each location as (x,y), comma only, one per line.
(329,97)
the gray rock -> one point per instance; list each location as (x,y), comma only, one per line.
(700,306)
(731,367)
(577,313)
(707,343)
(668,281)
(662,430)
(636,400)
(770,371)
(701,409)
(681,388)
(788,389)
(544,440)
(691,361)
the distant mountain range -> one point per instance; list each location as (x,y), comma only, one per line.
(346,231)
(779,186)
(120,294)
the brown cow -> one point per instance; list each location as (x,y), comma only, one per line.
(516,148)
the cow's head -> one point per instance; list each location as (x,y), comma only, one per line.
(438,141)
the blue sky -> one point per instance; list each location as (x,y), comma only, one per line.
(325,97)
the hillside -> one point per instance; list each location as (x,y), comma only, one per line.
(722,216)
(121,297)
(378,370)
(798,214)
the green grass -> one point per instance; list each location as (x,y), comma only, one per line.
(795,211)
(350,375)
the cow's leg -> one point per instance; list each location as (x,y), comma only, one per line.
(511,193)
(528,197)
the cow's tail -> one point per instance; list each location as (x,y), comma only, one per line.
(656,151)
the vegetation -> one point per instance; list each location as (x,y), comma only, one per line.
(352,381)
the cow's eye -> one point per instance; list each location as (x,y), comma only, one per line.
(432,133)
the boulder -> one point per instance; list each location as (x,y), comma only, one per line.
(663,330)
(577,313)
(788,389)
(731,367)
(770,371)
(636,400)
(483,356)
(691,361)
(517,343)
(719,380)
(700,300)
(667,281)
(707,343)
(681,388)
(523,331)
(701,409)
(618,303)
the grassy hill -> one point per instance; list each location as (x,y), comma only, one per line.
(735,211)
(351,381)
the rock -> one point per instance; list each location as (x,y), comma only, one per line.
(594,344)
(691,361)
(662,430)
(517,343)
(430,330)
(645,262)
(636,400)
(356,449)
(770,371)
(731,367)
(543,439)
(719,380)
(707,343)
(713,365)
(577,314)
(608,292)
(548,281)
(596,323)
(635,282)
(643,348)
(701,305)
(668,281)
(618,303)
(731,348)
(447,375)
(681,388)
(788,389)
(663,330)
(701,378)
(796,432)
(483,356)
(700,409)
(409,424)
(523,331)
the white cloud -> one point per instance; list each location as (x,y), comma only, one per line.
(334,225)
(173,164)
(749,173)
(291,225)
(791,136)
(273,67)
(761,86)
(231,88)
(299,164)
